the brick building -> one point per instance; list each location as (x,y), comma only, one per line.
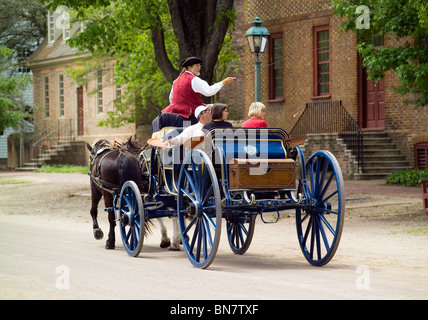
(318,63)
(63,108)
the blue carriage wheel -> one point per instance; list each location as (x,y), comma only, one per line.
(320,222)
(240,229)
(131,218)
(198,200)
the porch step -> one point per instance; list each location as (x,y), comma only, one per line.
(51,156)
(381,157)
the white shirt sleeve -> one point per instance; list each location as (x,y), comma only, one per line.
(191,131)
(202,87)
(170,93)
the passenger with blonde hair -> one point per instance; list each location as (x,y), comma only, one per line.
(257,113)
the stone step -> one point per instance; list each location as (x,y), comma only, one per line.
(384,169)
(391,163)
(370,176)
(381,157)
(51,155)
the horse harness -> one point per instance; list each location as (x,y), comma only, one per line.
(99,182)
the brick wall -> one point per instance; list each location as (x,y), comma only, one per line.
(336,145)
(297,20)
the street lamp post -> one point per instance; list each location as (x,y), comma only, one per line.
(257,37)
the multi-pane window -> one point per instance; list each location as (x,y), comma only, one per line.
(46,96)
(51,26)
(66,33)
(377,39)
(99,91)
(276,80)
(60,95)
(322,61)
(117,95)
(421,155)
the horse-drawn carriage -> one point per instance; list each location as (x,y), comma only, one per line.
(235,175)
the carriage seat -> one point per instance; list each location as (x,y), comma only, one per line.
(172,133)
(162,132)
(255,159)
(240,143)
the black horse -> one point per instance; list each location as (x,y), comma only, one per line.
(110,168)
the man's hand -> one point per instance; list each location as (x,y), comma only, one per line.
(228,80)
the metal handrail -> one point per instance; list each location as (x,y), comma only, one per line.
(331,117)
(61,135)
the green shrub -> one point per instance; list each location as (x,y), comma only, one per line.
(407,177)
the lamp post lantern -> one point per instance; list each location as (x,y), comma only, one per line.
(257,37)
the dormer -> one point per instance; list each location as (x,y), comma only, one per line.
(59,24)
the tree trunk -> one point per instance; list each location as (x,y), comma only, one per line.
(200,28)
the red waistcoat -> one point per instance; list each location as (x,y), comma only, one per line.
(184,99)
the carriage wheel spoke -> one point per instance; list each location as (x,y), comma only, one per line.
(191,182)
(198,183)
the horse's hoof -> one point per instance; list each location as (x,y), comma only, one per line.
(98,234)
(165,244)
(109,246)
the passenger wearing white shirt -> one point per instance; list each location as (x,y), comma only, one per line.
(203,113)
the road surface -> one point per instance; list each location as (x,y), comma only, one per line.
(47,251)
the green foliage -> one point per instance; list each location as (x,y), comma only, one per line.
(407,177)
(22,26)
(11,85)
(404,20)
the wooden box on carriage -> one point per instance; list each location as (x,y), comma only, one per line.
(262,174)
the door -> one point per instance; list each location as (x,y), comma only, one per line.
(371,101)
(374,106)
(80,122)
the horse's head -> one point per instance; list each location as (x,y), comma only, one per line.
(133,146)
(98,147)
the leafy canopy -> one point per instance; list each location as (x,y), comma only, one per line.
(11,86)
(139,40)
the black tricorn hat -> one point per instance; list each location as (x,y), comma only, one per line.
(191,61)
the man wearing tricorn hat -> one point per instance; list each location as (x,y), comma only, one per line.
(187,90)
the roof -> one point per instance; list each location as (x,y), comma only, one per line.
(57,52)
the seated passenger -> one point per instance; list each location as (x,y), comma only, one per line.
(203,113)
(219,116)
(257,114)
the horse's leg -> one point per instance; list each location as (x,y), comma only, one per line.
(165,240)
(95,197)
(108,202)
(176,237)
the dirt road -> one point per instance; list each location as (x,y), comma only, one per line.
(47,251)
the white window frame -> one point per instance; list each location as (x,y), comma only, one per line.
(45,91)
(51,26)
(99,90)
(61,96)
